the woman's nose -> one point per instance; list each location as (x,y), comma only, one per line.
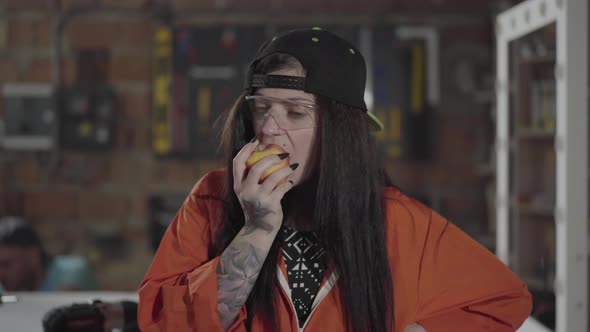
(270,126)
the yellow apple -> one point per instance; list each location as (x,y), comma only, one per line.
(262,152)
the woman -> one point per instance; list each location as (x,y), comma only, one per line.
(334,248)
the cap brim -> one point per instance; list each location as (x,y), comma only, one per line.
(378,125)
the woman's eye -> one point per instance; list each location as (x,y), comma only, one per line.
(261,108)
(296,114)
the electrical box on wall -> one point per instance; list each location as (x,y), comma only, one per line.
(87,115)
(88,108)
(29,116)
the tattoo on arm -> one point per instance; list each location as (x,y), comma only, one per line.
(238,269)
(255,221)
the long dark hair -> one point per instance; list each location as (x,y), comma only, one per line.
(347,183)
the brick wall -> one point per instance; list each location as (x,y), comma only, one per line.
(96,203)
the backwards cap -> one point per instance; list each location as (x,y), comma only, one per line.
(334,68)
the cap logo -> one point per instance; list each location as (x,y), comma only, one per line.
(315,40)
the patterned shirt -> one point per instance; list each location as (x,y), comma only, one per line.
(305,262)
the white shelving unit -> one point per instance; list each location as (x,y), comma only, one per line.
(571,148)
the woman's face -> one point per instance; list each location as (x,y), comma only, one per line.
(297,142)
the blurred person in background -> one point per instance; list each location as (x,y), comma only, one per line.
(25,265)
(326,242)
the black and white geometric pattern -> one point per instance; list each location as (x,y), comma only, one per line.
(305,261)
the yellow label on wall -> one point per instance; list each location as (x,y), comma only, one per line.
(162,68)
(204,111)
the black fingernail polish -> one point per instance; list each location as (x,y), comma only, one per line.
(294,166)
(283,155)
(256,137)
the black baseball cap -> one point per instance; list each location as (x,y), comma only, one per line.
(335,68)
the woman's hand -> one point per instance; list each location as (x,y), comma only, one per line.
(414,328)
(261,202)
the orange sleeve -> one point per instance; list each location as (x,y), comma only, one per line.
(464,287)
(179,290)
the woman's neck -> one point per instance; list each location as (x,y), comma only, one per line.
(298,206)
(299,223)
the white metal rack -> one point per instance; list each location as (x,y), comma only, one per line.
(571,148)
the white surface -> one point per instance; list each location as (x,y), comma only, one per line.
(26,314)
(531,325)
(527,17)
(571,142)
(571,18)
(27,142)
(27,90)
(502,149)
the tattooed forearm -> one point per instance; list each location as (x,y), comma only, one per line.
(255,214)
(238,269)
(254,224)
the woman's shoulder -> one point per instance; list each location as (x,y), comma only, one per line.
(406,215)
(210,185)
(397,201)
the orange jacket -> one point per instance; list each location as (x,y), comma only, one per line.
(442,279)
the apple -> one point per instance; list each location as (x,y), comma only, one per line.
(262,152)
